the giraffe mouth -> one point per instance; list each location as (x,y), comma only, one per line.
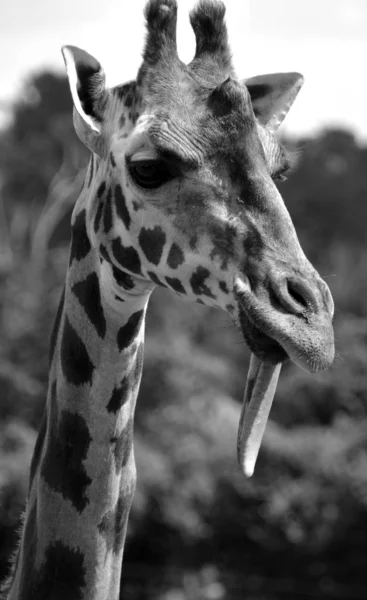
(261,345)
(273,336)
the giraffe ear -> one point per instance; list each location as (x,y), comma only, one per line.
(88,89)
(273,95)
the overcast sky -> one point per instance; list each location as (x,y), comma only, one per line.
(325,40)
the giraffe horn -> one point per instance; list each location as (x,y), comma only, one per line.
(261,385)
(207,21)
(161,20)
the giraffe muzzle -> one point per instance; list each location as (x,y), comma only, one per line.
(289,316)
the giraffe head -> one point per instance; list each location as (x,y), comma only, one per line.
(183,195)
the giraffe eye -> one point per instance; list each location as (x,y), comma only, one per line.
(150,174)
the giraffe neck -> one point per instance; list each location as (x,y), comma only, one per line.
(83,469)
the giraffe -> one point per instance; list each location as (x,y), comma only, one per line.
(179,192)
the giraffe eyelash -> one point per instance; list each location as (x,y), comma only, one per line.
(150,174)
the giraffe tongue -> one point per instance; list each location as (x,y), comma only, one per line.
(261,385)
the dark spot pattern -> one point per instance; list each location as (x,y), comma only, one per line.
(80,244)
(107,214)
(176,285)
(175,256)
(61,575)
(39,445)
(252,243)
(75,362)
(114,523)
(98,216)
(223,287)
(128,332)
(122,121)
(197,282)
(119,396)
(230,308)
(127,257)
(152,242)
(56,326)
(121,207)
(112,159)
(123,279)
(101,189)
(153,277)
(223,237)
(129,383)
(89,296)
(193,241)
(62,466)
(122,446)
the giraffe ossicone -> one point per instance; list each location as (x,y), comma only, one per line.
(180,192)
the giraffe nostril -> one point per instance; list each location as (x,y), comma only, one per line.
(295,295)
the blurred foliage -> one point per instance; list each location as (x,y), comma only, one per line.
(198,530)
